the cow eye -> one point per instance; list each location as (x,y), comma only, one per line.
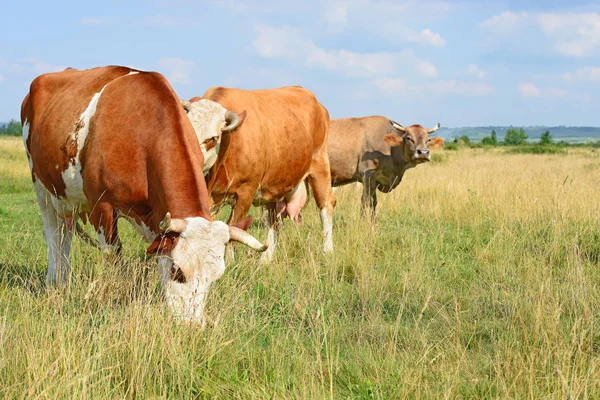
(409,138)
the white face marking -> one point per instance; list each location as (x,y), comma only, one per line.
(199,254)
(208,118)
(72,175)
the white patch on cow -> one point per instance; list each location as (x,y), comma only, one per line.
(102,239)
(58,238)
(72,175)
(25,134)
(327,222)
(25,137)
(141,228)
(208,118)
(109,252)
(199,254)
(133,73)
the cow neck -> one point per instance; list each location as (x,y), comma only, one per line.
(399,160)
(177,184)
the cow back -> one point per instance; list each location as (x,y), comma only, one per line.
(284,130)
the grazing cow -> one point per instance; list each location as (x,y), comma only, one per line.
(211,120)
(282,141)
(375,151)
(115,142)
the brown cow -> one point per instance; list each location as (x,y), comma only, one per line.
(282,141)
(115,142)
(375,151)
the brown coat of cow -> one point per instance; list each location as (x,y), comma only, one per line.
(111,142)
(282,141)
(376,151)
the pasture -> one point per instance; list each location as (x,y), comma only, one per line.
(480,279)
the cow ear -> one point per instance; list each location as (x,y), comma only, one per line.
(242,117)
(435,143)
(244,223)
(163,244)
(393,140)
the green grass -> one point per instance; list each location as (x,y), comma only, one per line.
(480,279)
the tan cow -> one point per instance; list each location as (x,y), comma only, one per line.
(375,151)
(115,142)
(282,141)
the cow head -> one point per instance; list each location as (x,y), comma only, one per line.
(414,141)
(191,257)
(210,120)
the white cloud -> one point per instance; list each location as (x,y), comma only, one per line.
(426,69)
(400,87)
(474,70)
(1,78)
(34,64)
(585,74)
(568,34)
(556,92)
(392,86)
(288,43)
(575,34)
(427,36)
(336,17)
(529,90)
(177,70)
(458,87)
(508,21)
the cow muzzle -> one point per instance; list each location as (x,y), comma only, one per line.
(422,155)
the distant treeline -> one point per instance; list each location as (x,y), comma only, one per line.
(517,141)
(12,128)
(572,134)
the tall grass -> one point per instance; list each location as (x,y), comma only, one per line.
(480,278)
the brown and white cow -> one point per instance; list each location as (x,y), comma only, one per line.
(282,141)
(115,142)
(375,151)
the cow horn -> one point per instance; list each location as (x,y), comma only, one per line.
(169,224)
(397,126)
(435,128)
(187,106)
(240,235)
(232,120)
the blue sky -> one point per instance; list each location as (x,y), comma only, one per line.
(458,62)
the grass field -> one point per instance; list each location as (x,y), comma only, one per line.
(480,279)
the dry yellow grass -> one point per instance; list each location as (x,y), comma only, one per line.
(480,279)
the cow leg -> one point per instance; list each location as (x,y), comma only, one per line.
(369,196)
(320,183)
(272,219)
(58,239)
(243,202)
(104,218)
